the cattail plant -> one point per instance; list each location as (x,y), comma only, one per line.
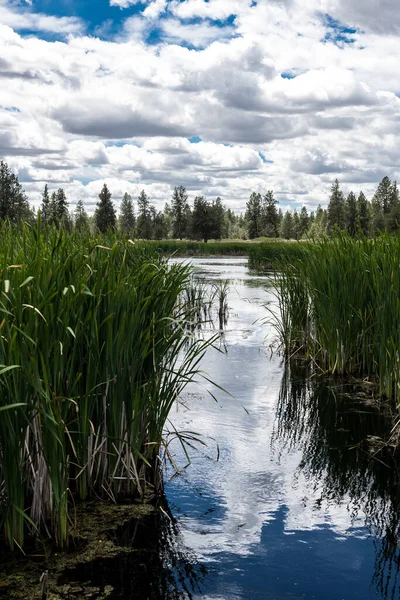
(93,353)
(339,305)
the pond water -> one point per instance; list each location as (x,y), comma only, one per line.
(293,496)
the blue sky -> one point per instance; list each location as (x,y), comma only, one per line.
(225,97)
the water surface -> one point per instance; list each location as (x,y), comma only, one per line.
(293,496)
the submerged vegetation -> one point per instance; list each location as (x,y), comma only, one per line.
(339,306)
(93,353)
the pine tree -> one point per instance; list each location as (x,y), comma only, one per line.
(159,225)
(52,218)
(363,214)
(377,216)
(296,225)
(144,224)
(217,218)
(81,218)
(253,215)
(336,209)
(14,206)
(392,220)
(269,215)
(168,219)
(351,214)
(383,194)
(304,222)
(62,214)
(45,206)
(179,206)
(202,219)
(287,226)
(105,215)
(127,215)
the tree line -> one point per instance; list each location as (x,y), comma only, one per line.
(352,214)
(205,219)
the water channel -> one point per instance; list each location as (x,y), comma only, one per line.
(290,492)
(293,496)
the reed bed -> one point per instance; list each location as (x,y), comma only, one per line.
(268,255)
(339,305)
(93,353)
(191,248)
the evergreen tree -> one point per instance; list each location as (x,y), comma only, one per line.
(45,206)
(81,218)
(287,226)
(253,215)
(382,196)
(14,205)
(351,214)
(179,205)
(52,218)
(363,214)
(202,219)
(62,214)
(304,222)
(317,229)
(160,229)
(296,225)
(392,219)
(168,219)
(105,215)
(217,216)
(336,209)
(280,218)
(377,216)
(127,215)
(144,224)
(321,215)
(270,216)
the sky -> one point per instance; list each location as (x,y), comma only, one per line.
(224,97)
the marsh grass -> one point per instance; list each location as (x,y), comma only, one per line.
(270,254)
(93,353)
(191,248)
(339,305)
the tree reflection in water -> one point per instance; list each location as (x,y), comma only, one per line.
(160,568)
(341,433)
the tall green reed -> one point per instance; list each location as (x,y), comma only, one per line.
(339,303)
(93,353)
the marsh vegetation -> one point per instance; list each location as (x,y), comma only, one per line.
(94,352)
(339,307)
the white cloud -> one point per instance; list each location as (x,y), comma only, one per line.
(155,9)
(88,109)
(198,34)
(124,3)
(213,9)
(38,22)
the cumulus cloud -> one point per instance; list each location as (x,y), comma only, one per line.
(102,119)
(196,34)
(30,21)
(124,3)
(245,80)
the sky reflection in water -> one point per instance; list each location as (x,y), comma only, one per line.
(276,516)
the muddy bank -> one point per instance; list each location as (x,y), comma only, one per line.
(118,552)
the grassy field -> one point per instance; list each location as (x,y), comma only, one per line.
(91,331)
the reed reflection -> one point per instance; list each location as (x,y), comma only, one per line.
(343,436)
